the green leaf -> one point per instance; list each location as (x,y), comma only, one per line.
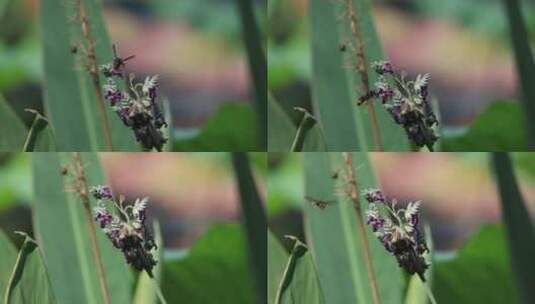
(60,225)
(231,129)
(69,95)
(520,229)
(525,65)
(61,88)
(280,127)
(479,273)
(277,258)
(214,271)
(145,292)
(29,282)
(12,130)
(254,218)
(335,87)
(300,283)
(257,66)
(334,239)
(8,256)
(497,128)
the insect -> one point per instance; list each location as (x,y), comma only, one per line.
(318,202)
(74,49)
(119,62)
(342,47)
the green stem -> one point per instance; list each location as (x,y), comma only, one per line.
(158,291)
(428,290)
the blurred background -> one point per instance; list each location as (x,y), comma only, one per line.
(457,190)
(464,45)
(195,46)
(189,192)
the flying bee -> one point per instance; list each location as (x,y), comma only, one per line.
(74,49)
(64,170)
(119,62)
(318,202)
(342,47)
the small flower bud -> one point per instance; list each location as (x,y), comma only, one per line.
(101,192)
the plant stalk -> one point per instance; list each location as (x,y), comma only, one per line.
(353,193)
(83,191)
(92,67)
(361,68)
(427,290)
(158,291)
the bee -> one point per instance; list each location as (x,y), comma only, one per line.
(74,49)
(342,47)
(318,202)
(119,62)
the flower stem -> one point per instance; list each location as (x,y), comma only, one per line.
(360,67)
(83,191)
(428,290)
(353,193)
(92,67)
(158,291)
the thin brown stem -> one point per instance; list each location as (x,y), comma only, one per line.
(83,191)
(92,67)
(353,193)
(360,67)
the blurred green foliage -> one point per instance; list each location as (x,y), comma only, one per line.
(479,273)
(15,178)
(232,128)
(499,127)
(214,271)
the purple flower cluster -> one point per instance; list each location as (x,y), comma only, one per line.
(398,231)
(407,101)
(136,107)
(126,228)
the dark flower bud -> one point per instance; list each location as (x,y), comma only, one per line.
(101,192)
(374,196)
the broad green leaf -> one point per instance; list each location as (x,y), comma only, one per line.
(232,128)
(61,88)
(330,86)
(525,64)
(498,128)
(334,239)
(281,129)
(145,290)
(519,227)
(69,94)
(12,130)
(479,273)
(254,219)
(214,271)
(257,66)
(60,225)
(277,259)
(8,256)
(29,282)
(300,283)
(336,87)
